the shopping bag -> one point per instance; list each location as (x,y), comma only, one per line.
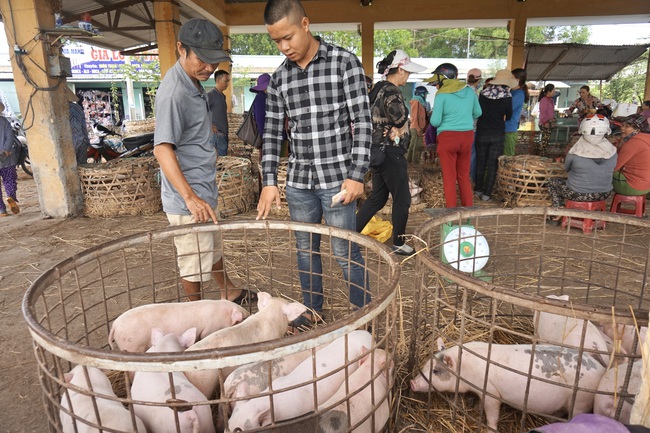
(378,229)
(248,131)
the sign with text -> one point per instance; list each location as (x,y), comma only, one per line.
(90,62)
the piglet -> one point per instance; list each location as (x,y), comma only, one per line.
(553,363)
(373,391)
(567,331)
(131,331)
(269,323)
(251,379)
(612,382)
(624,336)
(328,364)
(155,387)
(111,412)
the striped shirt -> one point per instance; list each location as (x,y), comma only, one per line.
(321,103)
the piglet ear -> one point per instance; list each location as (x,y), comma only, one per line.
(156,335)
(68,377)
(365,355)
(441,344)
(236,316)
(188,338)
(293,310)
(265,418)
(263,299)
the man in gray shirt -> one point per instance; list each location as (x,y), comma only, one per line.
(187,157)
(219,108)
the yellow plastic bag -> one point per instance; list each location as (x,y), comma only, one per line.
(378,229)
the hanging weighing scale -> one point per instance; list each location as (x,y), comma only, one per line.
(465,248)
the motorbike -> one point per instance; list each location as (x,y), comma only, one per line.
(115,148)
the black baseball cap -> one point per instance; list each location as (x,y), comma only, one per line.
(205,39)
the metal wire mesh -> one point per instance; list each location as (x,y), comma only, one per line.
(605,275)
(70,309)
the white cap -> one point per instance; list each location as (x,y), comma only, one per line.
(403,61)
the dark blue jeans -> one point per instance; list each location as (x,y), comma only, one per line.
(310,205)
(220,142)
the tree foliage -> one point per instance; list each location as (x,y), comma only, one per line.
(629,84)
(476,43)
(253,44)
(483,43)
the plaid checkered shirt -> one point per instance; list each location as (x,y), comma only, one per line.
(322,103)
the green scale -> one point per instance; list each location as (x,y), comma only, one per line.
(465,248)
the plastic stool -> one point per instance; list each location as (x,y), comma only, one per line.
(638,201)
(586,224)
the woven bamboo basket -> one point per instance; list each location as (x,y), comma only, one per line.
(240,149)
(236,185)
(127,187)
(527,143)
(521,179)
(283,166)
(234,122)
(432,191)
(138,127)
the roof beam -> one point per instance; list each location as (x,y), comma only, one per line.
(107,8)
(213,10)
(345,11)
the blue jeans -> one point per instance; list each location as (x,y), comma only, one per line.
(310,205)
(220,142)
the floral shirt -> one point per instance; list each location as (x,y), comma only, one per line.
(584,105)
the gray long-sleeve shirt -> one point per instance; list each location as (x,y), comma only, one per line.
(589,174)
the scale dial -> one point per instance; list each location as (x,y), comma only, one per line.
(466,249)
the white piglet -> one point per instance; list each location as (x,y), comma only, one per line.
(624,336)
(251,379)
(131,331)
(111,413)
(269,323)
(613,382)
(155,387)
(326,364)
(567,331)
(553,363)
(372,393)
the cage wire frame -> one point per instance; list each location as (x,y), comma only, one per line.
(605,273)
(70,307)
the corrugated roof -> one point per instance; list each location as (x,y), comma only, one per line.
(575,62)
(123,24)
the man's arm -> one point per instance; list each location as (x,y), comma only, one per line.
(199,208)
(271,146)
(358,105)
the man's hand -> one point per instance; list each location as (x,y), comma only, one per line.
(200,209)
(354,190)
(268,195)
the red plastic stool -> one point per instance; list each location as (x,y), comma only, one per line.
(638,201)
(586,224)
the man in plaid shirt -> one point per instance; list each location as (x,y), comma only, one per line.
(321,89)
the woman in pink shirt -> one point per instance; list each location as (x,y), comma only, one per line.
(546,117)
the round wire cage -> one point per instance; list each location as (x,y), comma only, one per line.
(490,307)
(70,309)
